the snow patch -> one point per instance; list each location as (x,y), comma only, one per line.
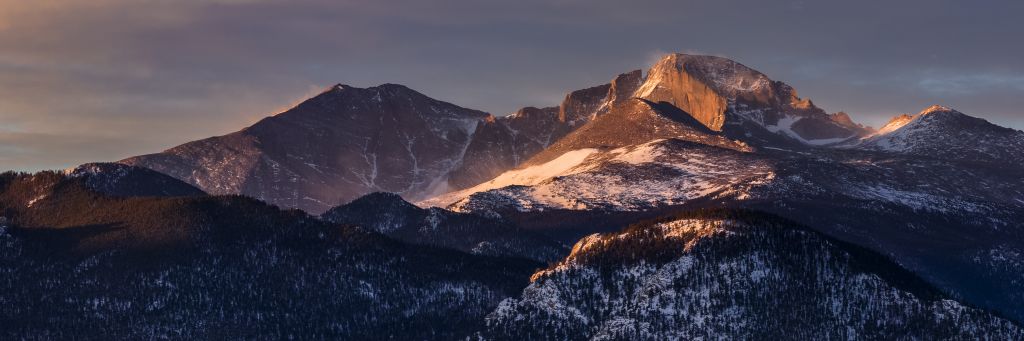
(529,176)
(785,127)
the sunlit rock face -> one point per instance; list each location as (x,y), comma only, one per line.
(727,96)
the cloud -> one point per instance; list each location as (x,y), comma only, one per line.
(164,72)
(973,84)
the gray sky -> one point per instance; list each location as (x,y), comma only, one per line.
(106,79)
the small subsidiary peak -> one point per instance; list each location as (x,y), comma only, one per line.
(379,197)
(900,118)
(680,55)
(936,108)
(938,112)
(842,118)
(624,85)
(896,122)
(394,86)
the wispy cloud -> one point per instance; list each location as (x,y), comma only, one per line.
(965,85)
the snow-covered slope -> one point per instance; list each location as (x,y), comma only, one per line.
(657,173)
(941,132)
(732,275)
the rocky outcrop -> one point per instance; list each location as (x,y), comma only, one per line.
(843,119)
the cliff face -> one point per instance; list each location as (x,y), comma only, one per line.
(677,81)
(726,96)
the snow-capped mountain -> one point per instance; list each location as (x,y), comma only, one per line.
(332,148)
(732,275)
(704,99)
(941,132)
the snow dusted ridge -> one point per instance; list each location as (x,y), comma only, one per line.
(745,278)
(894,124)
(671,172)
(657,173)
(942,132)
(528,176)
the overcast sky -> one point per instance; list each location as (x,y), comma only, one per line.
(101,80)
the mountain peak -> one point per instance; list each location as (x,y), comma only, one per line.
(331,148)
(378,198)
(729,97)
(936,108)
(942,112)
(942,132)
(895,123)
(378,92)
(702,85)
(120,180)
(723,75)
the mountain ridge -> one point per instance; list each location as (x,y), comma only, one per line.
(942,132)
(348,141)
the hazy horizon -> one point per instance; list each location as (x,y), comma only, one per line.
(105,80)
